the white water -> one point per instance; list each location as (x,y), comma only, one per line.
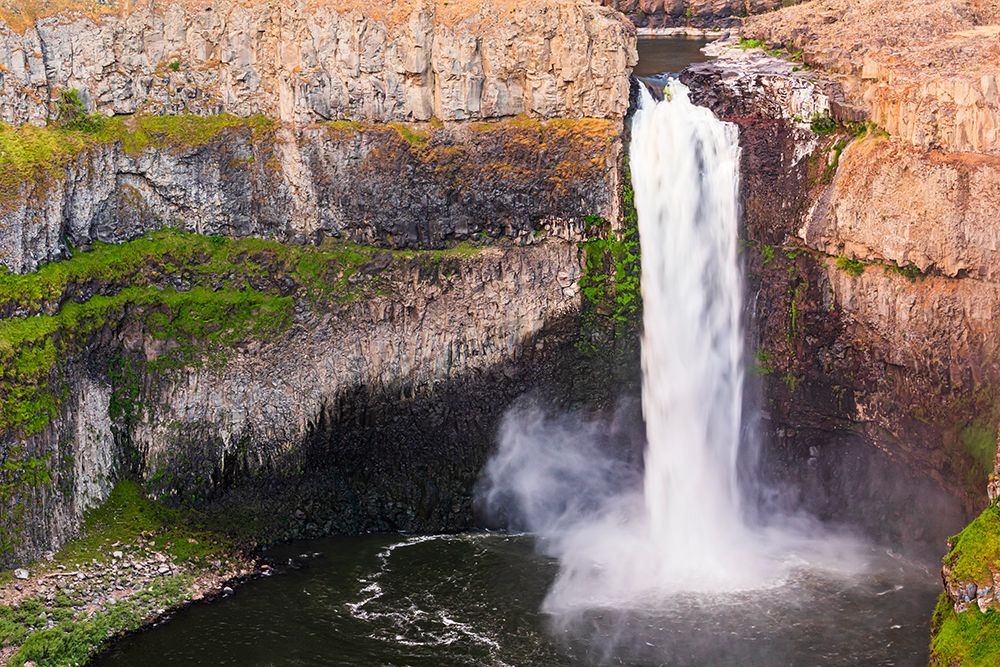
(685,166)
(620,540)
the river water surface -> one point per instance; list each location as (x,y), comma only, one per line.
(474,599)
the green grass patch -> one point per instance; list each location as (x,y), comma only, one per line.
(969,639)
(118,524)
(854,267)
(73,641)
(128,513)
(977,548)
(409,134)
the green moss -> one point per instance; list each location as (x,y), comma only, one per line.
(767,253)
(200,323)
(969,639)
(230,299)
(980,442)
(410,135)
(128,513)
(763,363)
(823,124)
(610,279)
(34,154)
(853,267)
(975,552)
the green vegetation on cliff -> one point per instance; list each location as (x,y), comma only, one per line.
(192,298)
(611,273)
(68,628)
(234,290)
(969,639)
(35,154)
(975,552)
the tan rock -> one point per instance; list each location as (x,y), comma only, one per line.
(306,61)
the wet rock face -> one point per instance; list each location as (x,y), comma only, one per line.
(304,62)
(395,187)
(852,354)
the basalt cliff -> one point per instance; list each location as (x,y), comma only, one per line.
(286,263)
(870,134)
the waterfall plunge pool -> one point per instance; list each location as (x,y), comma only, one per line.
(474,599)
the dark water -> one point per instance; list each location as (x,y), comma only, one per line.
(475,600)
(668,54)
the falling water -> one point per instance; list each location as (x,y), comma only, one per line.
(685,166)
(623,539)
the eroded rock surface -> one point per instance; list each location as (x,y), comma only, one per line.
(416,187)
(925,70)
(311,61)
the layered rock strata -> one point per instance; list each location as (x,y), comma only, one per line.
(925,70)
(396,186)
(313,396)
(861,342)
(312,61)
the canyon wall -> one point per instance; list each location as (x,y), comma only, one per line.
(288,264)
(303,62)
(697,14)
(397,186)
(870,137)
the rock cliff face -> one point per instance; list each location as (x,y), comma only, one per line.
(301,430)
(857,347)
(924,70)
(312,61)
(403,186)
(290,262)
(870,190)
(712,14)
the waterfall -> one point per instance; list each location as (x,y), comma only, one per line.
(685,171)
(623,539)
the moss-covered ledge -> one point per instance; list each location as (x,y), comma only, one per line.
(965,629)
(113,331)
(134,560)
